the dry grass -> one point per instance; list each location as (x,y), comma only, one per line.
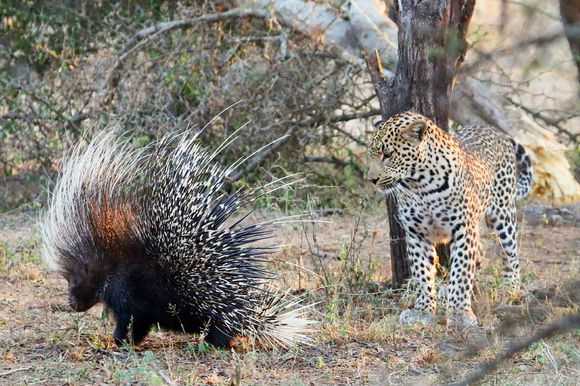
(359,342)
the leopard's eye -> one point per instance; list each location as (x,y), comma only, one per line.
(385,152)
(386,155)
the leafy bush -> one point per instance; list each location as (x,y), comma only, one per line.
(56,88)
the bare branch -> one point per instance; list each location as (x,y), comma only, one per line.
(294,125)
(375,68)
(149,34)
(557,327)
(9,372)
(350,117)
(261,156)
(547,120)
(77,119)
(350,136)
(72,122)
(334,160)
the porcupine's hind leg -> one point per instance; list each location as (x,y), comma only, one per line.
(189,322)
(217,337)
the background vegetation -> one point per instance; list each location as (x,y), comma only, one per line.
(70,68)
(55,89)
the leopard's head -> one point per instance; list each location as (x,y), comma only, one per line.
(397,149)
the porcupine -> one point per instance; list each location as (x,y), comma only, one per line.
(145,231)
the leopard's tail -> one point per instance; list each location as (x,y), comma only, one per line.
(524,168)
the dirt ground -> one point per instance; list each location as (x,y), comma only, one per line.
(345,269)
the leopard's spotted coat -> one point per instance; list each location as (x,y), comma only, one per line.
(444,185)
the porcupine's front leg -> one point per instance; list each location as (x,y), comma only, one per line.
(139,328)
(122,328)
(122,304)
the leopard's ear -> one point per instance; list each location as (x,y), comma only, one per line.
(415,132)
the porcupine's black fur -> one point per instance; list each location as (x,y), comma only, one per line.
(144,232)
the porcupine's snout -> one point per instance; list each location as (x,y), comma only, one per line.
(72,302)
(81,298)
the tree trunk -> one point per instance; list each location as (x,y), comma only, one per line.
(570,13)
(431,48)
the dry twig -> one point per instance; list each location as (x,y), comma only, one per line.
(149,34)
(557,327)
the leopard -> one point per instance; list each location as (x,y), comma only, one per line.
(445,185)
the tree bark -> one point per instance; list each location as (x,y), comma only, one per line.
(431,48)
(570,13)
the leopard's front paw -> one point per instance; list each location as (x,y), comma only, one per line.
(511,280)
(464,318)
(415,316)
(442,296)
(514,289)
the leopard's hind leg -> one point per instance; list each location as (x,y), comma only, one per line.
(503,221)
(501,216)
